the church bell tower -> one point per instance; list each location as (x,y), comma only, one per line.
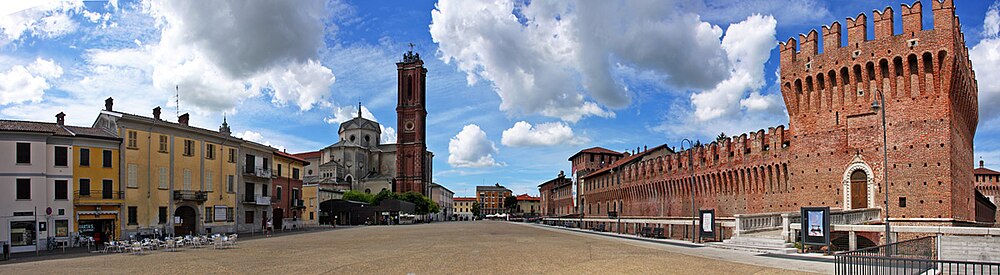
(411,118)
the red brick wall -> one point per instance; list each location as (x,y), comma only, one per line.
(930,112)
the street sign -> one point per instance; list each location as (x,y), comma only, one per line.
(48,211)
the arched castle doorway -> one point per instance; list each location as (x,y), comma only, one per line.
(858,185)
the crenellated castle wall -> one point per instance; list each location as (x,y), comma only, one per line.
(931,113)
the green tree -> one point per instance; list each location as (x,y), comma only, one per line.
(385,195)
(510,202)
(477,209)
(359,196)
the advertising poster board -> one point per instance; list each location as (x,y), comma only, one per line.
(815,225)
(707,223)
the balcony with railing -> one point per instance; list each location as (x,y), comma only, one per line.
(298,204)
(98,197)
(256,200)
(260,172)
(185,195)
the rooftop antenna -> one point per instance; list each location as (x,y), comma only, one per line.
(177,100)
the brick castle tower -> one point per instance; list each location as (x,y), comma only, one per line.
(931,113)
(412,164)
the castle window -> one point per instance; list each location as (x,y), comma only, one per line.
(809,84)
(902,201)
(833,78)
(870,70)
(845,75)
(821,81)
(883,66)
(857,73)
(798,86)
(912,62)
(928,63)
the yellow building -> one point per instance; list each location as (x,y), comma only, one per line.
(178,179)
(97,195)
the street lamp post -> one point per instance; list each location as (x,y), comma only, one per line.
(877,105)
(694,212)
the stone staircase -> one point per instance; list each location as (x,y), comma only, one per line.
(767,242)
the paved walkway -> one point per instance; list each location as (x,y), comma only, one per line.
(480,247)
(816,263)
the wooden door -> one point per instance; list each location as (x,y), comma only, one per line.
(859,189)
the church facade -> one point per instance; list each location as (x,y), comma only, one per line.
(360,161)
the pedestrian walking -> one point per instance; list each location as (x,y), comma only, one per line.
(270,227)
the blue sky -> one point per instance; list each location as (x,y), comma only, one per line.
(514,88)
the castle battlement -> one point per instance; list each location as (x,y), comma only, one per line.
(916,67)
(807,44)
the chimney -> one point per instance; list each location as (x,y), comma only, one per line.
(183,119)
(108,103)
(156,112)
(61,120)
(644,148)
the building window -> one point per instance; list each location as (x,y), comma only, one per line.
(84,157)
(133,175)
(62,228)
(902,201)
(263,190)
(23,189)
(295,173)
(310,216)
(232,155)
(209,180)
(187,179)
(84,188)
(208,214)
(163,144)
(163,178)
(229,184)
(107,158)
(210,151)
(23,153)
(133,215)
(229,214)
(22,233)
(163,214)
(248,217)
(279,169)
(107,189)
(132,137)
(188,148)
(61,156)
(277,194)
(61,190)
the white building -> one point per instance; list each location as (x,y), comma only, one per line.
(444,198)
(36,190)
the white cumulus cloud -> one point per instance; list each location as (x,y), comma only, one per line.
(747,45)
(258,138)
(28,83)
(222,52)
(556,58)
(985,58)
(46,19)
(471,148)
(523,134)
